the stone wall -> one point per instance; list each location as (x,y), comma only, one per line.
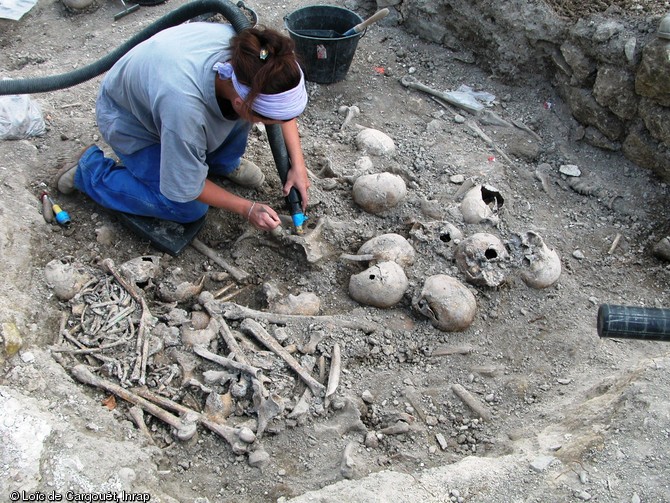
(612,70)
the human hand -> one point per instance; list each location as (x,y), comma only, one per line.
(263,217)
(298,179)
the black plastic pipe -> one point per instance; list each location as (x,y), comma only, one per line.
(178,16)
(628,322)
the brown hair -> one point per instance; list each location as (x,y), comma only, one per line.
(276,73)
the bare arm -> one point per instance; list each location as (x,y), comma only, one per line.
(260,215)
(297,175)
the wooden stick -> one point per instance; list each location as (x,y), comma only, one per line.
(473,403)
(235,272)
(234,311)
(184,431)
(255,329)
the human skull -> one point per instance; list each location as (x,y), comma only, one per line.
(540,265)
(381,285)
(448,303)
(379,192)
(390,246)
(481,204)
(482,257)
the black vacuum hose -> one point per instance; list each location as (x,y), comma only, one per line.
(44,84)
(178,16)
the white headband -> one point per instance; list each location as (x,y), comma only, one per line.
(280,106)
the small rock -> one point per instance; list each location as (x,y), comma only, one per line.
(583,495)
(570,170)
(367,396)
(662,249)
(442,441)
(457,179)
(371,440)
(541,463)
(27,357)
(258,458)
(578,254)
(564,381)
(459,119)
(635,498)
(105,235)
(11,337)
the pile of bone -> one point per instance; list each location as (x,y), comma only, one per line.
(482,258)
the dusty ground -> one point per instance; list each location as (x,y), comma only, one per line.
(533,357)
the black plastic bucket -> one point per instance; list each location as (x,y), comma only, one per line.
(324,59)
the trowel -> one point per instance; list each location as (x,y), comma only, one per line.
(380,14)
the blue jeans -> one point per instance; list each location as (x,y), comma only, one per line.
(133,185)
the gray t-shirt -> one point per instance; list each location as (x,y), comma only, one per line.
(162,91)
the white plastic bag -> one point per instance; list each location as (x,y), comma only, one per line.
(20,117)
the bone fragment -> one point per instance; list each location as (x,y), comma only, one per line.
(347,465)
(142,346)
(255,329)
(477,130)
(615,243)
(352,112)
(228,433)
(473,403)
(184,430)
(358,258)
(465,187)
(61,328)
(233,311)
(544,181)
(137,415)
(87,351)
(396,429)
(528,130)
(235,272)
(414,84)
(414,399)
(226,362)
(314,339)
(236,349)
(451,350)
(268,409)
(490,118)
(334,374)
(302,407)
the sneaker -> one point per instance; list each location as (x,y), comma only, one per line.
(247,174)
(64,179)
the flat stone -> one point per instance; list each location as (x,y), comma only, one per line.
(570,170)
(541,463)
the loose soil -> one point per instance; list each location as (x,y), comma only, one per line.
(532,357)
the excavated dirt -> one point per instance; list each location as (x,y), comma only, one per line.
(595,410)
